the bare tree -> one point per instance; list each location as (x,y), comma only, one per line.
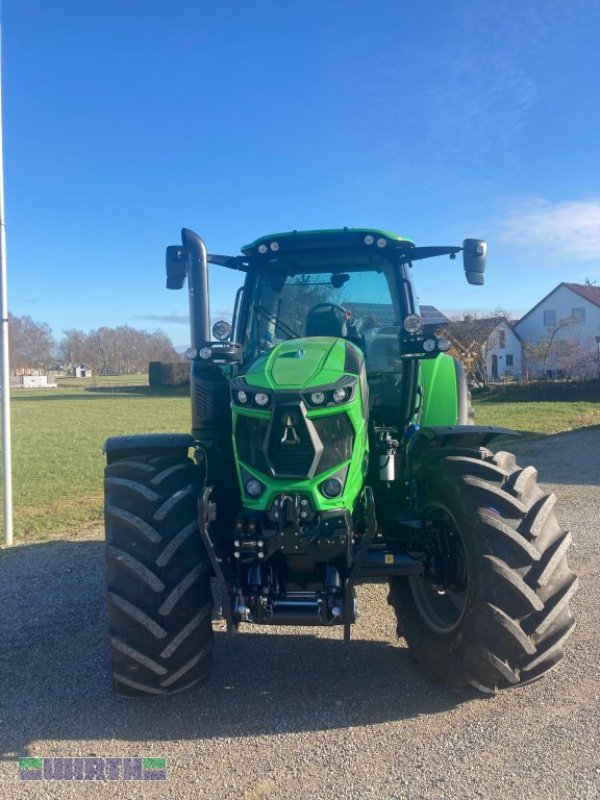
(72,348)
(537,355)
(470,338)
(125,350)
(31,344)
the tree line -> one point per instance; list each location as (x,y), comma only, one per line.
(107,351)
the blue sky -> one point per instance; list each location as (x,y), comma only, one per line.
(124,121)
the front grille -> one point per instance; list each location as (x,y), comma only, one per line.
(291,450)
(337,436)
(289,445)
(250,435)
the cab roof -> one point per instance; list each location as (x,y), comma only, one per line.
(339,238)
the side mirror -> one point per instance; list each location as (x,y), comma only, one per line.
(176,266)
(474,258)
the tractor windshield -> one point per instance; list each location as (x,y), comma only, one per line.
(357,305)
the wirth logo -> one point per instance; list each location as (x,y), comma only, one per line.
(93,769)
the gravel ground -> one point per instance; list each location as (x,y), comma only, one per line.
(290,714)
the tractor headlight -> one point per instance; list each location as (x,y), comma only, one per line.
(205,352)
(339,395)
(261,399)
(221,330)
(413,323)
(444,345)
(254,488)
(317,398)
(429,345)
(191,353)
(331,488)
(242,398)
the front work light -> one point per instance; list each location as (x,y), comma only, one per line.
(317,398)
(339,395)
(221,330)
(254,488)
(261,399)
(242,398)
(413,323)
(331,487)
(205,352)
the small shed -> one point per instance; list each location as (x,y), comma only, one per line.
(33,381)
(83,371)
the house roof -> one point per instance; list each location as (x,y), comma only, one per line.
(468,331)
(384,313)
(591,293)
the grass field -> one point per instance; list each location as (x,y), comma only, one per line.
(538,418)
(57,441)
(58,436)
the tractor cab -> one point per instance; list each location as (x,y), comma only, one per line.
(331,283)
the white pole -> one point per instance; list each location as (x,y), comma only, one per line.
(5,377)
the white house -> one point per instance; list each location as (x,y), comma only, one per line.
(504,352)
(489,348)
(562,332)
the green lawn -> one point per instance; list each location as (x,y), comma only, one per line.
(57,441)
(58,436)
(538,418)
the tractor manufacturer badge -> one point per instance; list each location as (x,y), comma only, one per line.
(289,432)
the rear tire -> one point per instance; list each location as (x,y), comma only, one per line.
(158,576)
(494,611)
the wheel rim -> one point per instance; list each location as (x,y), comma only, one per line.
(442,596)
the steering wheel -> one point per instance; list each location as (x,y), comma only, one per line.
(333,306)
(323,324)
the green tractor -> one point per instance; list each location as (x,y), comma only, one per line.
(332,444)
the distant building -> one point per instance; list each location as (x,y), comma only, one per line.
(82,371)
(489,349)
(566,323)
(35,382)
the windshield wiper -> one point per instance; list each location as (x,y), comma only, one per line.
(277,322)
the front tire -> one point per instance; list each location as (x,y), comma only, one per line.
(492,609)
(158,576)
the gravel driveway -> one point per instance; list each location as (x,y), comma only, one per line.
(298,714)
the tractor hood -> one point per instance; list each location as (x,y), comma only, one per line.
(303,363)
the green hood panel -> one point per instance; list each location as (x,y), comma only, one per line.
(300,364)
(289,372)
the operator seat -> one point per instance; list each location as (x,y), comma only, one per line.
(325,322)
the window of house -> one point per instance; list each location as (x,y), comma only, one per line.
(549,318)
(501,339)
(509,361)
(578,314)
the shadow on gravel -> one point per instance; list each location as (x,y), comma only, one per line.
(56,686)
(569,458)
